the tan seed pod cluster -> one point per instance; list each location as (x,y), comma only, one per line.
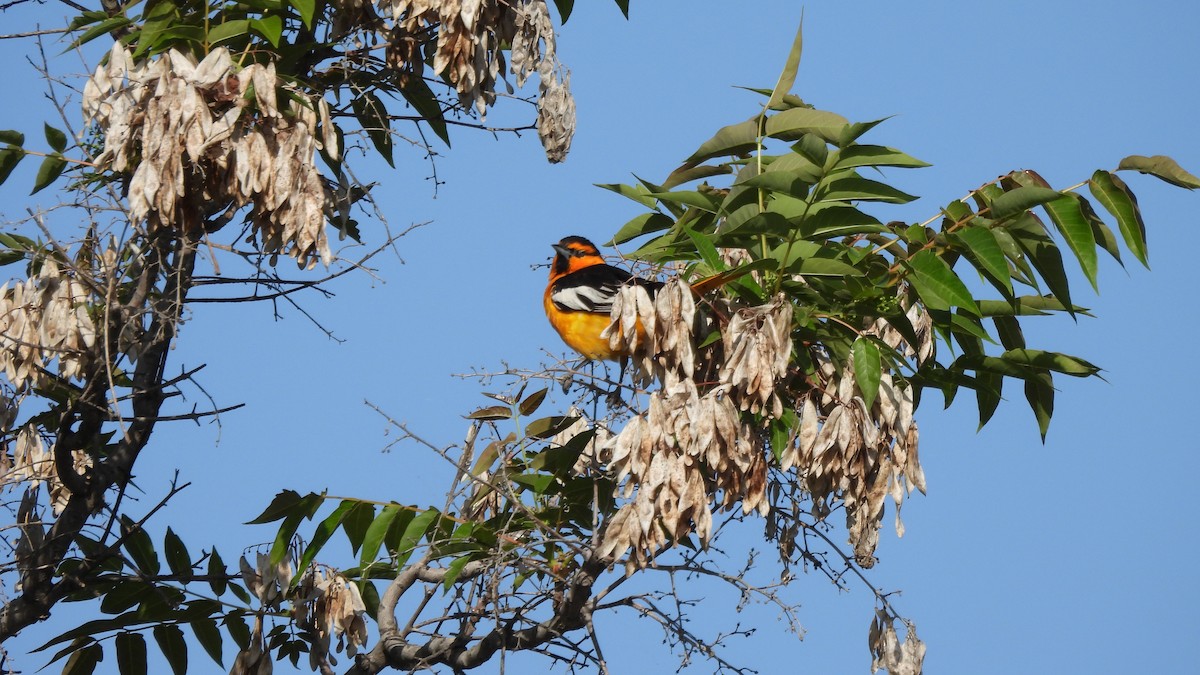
(889,653)
(844,451)
(758,349)
(333,608)
(31,464)
(471,36)
(699,447)
(193,143)
(43,320)
(266,581)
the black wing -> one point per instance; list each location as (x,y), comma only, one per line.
(592,289)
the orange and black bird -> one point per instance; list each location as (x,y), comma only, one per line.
(580,294)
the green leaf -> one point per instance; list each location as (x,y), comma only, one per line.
(176,553)
(1102,235)
(787,78)
(170,641)
(938,285)
(532,403)
(492,413)
(1118,200)
(123,596)
(875,155)
(986,253)
(856,188)
(689,172)
(56,138)
(643,224)
(867,369)
(373,116)
(106,26)
(791,124)
(283,504)
(546,427)
(415,530)
(564,9)
(216,574)
(376,532)
(1039,392)
(454,570)
(691,198)
(1047,260)
(283,537)
(425,102)
(12,137)
(139,547)
(228,30)
(624,7)
(307,10)
(825,267)
(322,534)
(1021,199)
(637,193)
(1159,166)
(734,139)
(51,168)
(1043,360)
(836,220)
(1068,216)
(83,660)
(131,653)
(235,623)
(1027,305)
(1009,330)
(269,27)
(705,248)
(537,482)
(356,523)
(209,637)
(989,391)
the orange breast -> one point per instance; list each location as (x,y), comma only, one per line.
(581,331)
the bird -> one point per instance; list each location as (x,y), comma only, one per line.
(579,297)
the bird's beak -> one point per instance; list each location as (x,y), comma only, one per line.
(561,250)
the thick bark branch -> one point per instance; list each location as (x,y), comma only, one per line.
(465,651)
(39,589)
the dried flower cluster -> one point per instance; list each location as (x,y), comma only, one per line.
(194,144)
(888,652)
(42,319)
(471,36)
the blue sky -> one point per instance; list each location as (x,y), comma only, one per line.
(1072,556)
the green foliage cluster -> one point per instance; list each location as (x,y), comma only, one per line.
(810,217)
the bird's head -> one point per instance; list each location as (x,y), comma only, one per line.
(572,253)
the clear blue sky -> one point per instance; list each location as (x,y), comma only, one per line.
(1072,556)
